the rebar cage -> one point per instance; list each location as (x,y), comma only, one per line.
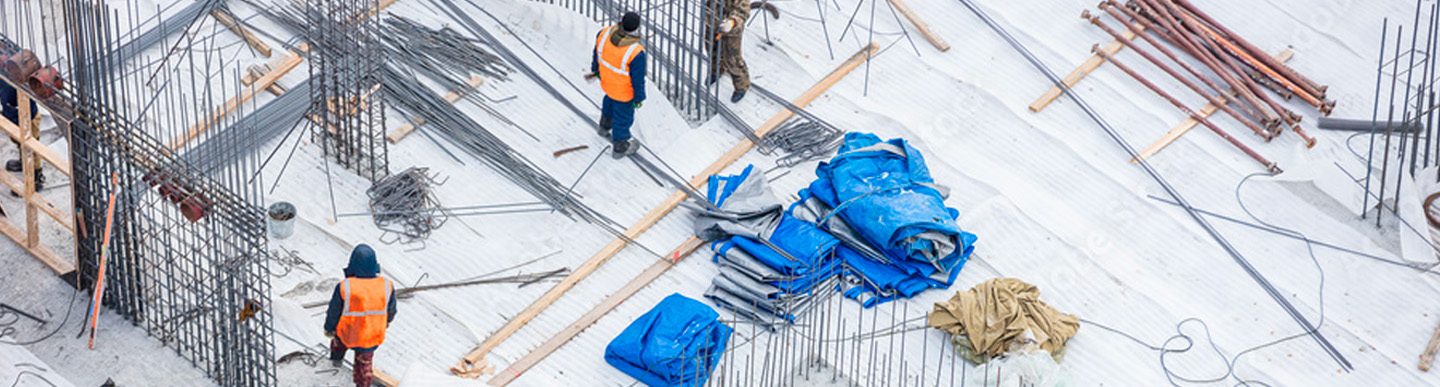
(673,33)
(347,99)
(186,259)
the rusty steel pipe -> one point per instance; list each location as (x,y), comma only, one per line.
(1192,45)
(1227,50)
(1255,51)
(1269,166)
(1109,7)
(1153,60)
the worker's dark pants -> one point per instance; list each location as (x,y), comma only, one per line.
(620,115)
(364,362)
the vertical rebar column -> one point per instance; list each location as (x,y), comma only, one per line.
(347,103)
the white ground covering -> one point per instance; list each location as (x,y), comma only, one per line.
(1052,198)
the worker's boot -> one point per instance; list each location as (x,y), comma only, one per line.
(13,165)
(712,79)
(737,96)
(604,129)
(625,148)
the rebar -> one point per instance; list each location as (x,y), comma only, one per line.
(405,207)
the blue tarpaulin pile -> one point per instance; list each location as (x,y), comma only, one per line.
(771,264)
(675,344)
(879,199)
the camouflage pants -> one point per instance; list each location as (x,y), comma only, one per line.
(728,61)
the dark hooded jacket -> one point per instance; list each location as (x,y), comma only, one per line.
(362,265)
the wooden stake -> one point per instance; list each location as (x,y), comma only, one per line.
(467,364)
(921,25)
(404,130)
(589,318)
(1190,123)
(1429,355)
(1085,68)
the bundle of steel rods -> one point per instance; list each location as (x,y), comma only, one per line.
(165,27)
(1235,74)
(459,129)
(443,54)
(262,125)
(405,207)
(806,138)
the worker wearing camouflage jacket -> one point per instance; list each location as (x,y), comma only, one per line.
(726,26)
(361,308)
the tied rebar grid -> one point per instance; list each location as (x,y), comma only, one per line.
(347,102)
(186,254)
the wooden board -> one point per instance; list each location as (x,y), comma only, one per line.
(1189,123)
(589,318)
(40,203)
(45,152)
(466,364)
(61,267)
(228,20)
(1085,68)
(921,25)
(292,60)
(404,130)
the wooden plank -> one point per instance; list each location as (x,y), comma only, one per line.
(29,164)
(921,25)
(554,343)
(1429,355)
(45,152)
(48,258)
(466,365)
(292,60)
(40,203)
(1189,123)
(404,130)
(1085,68)
(228,20)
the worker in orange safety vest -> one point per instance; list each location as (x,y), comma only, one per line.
(619,62)
(361,308)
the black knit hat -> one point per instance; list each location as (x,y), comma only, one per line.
(630,22)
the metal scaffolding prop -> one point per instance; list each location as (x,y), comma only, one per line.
(186,259)
(347,101)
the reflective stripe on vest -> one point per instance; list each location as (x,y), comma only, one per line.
(367,305)
(615,81)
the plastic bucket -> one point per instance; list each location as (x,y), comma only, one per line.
(282,219)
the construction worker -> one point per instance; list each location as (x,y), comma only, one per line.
(9,108)
(619,62)
(360,310)
(726,24)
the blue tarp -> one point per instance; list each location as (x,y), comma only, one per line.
(883,191)
(677,343)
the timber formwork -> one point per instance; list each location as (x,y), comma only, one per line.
(186,259)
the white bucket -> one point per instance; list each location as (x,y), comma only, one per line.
(282,220)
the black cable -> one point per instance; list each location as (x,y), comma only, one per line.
(7,330)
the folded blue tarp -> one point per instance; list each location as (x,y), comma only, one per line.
(677,343)
(884,194)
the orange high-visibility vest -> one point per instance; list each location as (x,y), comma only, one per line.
(367,305)
(615,66)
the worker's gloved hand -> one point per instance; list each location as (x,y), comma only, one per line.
(330,334)
(591,76)
(637,104)
(727,26)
